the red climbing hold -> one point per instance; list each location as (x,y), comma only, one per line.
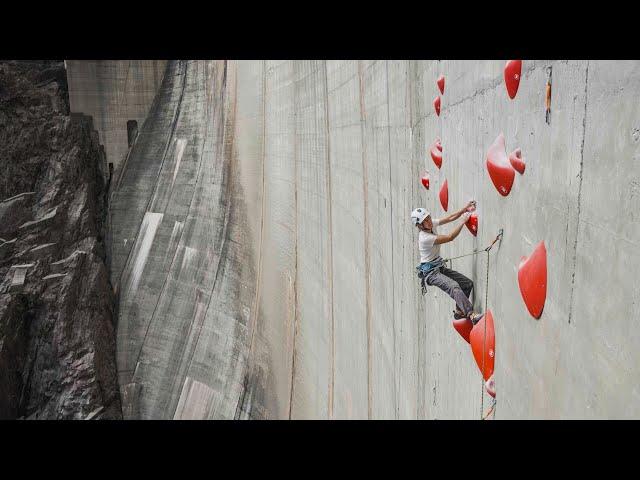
(512,72)
(490,385)
(436,154)
(463,326)
(436,104)
(472,224)
(425,181)
(532,279)
(440,83)
(499,169)
(438,144)
(477,340)
(444,195)
(517,163)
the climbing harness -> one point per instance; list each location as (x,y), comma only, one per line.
(427,267)
(424,269)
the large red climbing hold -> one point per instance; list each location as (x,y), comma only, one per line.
(512,72)
(490,385)
(516,160)
(463,326)
(425,181)
(436,155)
(440,83)
(436,104)
(499,168)
(532,279)
(472,224)
(478,346)
(444,195)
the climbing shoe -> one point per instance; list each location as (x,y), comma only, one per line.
(457,314)
(476,317)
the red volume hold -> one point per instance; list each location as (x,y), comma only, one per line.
(436,155)
(463,326)
(472,224)
(516,160)
(436,104)
(478,346)
(532,279)
(512,72)
(444,195)
(425,181)
(440,83)
(498,166)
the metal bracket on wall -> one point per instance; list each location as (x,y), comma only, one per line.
(548,96)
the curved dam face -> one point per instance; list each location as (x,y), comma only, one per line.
(264,259)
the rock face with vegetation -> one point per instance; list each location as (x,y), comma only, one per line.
(57,311)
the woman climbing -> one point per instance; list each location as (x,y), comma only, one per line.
(431,268)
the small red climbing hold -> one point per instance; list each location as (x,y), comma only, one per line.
(436,155)
(490,385)
(436,104)
(517,163)
(499,169)
(512,72)
(477,344)
(440,83)
(472,224)
(438,144)
(463,326)
(425,181)
(532,279)
(444,195)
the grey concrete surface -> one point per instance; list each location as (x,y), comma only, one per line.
(265,260)
(113,92)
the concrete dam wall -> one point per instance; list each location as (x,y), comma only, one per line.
(264,258)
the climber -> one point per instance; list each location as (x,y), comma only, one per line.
(431,269)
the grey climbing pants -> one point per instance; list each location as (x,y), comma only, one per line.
(456,285)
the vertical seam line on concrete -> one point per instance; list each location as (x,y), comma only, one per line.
(256,306)
(575,243)
(367,252)
(330,262)
(295,282)
(416,172)
(393,289)
(124,88)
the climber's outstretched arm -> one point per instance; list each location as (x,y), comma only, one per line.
(455,232)
(456,215)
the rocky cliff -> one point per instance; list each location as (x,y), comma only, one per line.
(57,315)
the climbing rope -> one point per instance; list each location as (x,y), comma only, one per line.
(475,252)
(484,342)
(486,305)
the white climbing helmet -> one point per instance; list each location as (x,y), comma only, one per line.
(418,215)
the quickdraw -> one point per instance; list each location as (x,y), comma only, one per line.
(475,252)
